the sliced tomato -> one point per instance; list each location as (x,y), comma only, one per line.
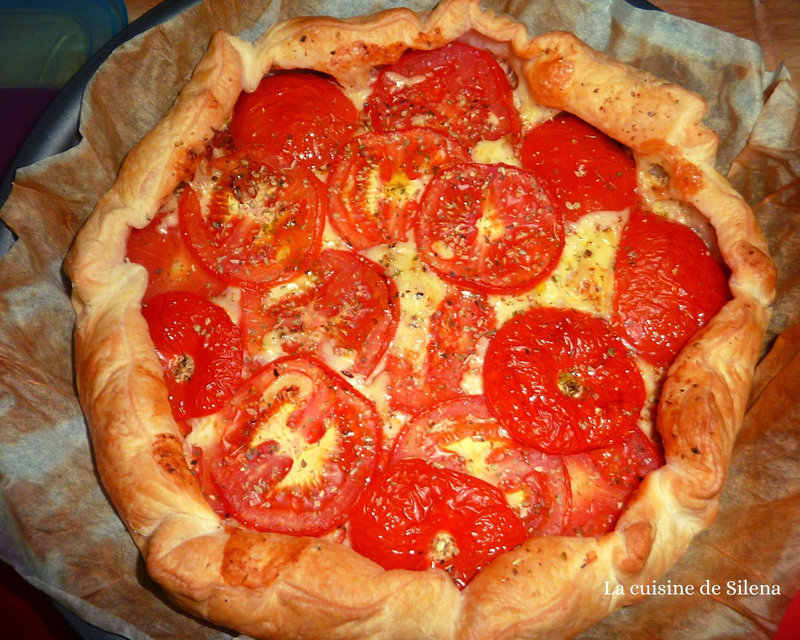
(255,222)
(344,305)
(160,249)
(561,381)
(457,326)
(377,179)
(463,435)
(298,446)
(200,350)
(300,117)
(667,286)
(582,168)
(417,516)
(200,469)
(490,228)
(457,89)
(603,481)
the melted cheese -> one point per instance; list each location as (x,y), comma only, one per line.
(358,96)
(272,341)
(204,434)
(295,287)
(530,112)
(490,225)
(472,378)
(420,291)
(399,188)
(647,417)
(494,151)
(230,300)
(583,277)
(474,453)
(375,390)
(401,82)
(332,240)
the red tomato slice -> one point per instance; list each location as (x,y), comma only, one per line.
(302,118)
(348,308)
(490,228)
(667,286)
(160,249)
(463,435)
(201,471)
(200,350)
(457,89)
(258,223)
(582,169)
(561,381)
(377,179)
(462,319)
(417,516)
(299,445)
(604,480)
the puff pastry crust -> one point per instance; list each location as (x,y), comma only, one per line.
(277,586)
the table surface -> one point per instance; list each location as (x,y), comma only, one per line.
(773,24)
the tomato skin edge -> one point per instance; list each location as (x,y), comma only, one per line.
(276,102)
(352,306)
(416,152)
(605,179)
(605,480)
(381,107)
(449,348)
(169,263)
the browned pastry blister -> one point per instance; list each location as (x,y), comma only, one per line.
(276,586)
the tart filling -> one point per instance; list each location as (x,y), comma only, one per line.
(490,287)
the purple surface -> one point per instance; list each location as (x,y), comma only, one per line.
(19,111)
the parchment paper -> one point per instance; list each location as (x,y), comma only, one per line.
(61,533)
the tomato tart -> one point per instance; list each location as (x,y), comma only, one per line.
(413,325)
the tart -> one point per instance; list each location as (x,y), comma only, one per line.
(308,322)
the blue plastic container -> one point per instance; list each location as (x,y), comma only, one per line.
(44,42)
